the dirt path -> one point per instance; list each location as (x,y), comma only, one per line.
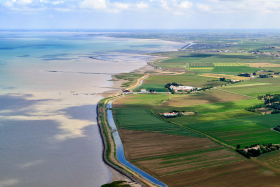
(138,82)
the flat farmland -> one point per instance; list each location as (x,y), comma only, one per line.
(213,108)
(155,87)
(255,90)
(140,101)
(207,97)
(237,69)
(212,117)
(242,131)
(271,159)
(142,120)
(190,161)
(184,79)
(227,76)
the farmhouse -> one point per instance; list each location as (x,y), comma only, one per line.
(256,148)
(183,88)
(233,80)
(170,114)
(143,91)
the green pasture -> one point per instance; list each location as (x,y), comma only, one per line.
(140,100)
(142,120)
(156,87)
(215,107)
(254,91)
(243,131)
(237,69)
(202,69)
(184,120)
(185,79)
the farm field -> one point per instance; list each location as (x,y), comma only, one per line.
(184,79)
(212,117)
(197,148)
(271,159)
(193,161)
(140,101)
(213,108)
(243,131)
(141,119)
(254,90)
(155,87)
(235,69)
(227,76)
(200,98)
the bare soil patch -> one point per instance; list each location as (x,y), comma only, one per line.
(187,161)
(140,144)
(243,173)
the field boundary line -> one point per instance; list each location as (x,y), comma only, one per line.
(236,93)
(201,133)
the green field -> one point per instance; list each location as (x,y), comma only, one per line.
(237,69)
(145,101)
(255,90)
(243,131)
(142,120)
(215,107)
(156,87)
(184,79)
(211,117)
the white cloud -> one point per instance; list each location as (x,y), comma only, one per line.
(94,4)
(11,182)
(185,4)
(142,5)
(121,5)
(204,7)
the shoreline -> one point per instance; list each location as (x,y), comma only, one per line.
(116,89)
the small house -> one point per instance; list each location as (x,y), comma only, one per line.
(143,91)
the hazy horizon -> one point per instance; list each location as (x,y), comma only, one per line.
(139,14)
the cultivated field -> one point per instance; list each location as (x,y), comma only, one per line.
(192,162)
(213,108)
(212,75)
(206,97)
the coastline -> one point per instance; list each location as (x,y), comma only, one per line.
(118,173)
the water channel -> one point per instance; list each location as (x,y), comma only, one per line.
(120,151)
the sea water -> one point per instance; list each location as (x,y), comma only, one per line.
(49,83)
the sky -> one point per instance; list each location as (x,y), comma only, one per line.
(139,14)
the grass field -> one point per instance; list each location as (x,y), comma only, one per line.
(184,79)
(237,69)
(141,119)
(140,101)
(242,131)
(156,87)
(254,90)
(213,108)
(212,117)
(207,97)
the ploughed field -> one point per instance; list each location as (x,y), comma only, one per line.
(179,156)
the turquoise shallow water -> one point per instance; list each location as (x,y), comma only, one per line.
(48,131)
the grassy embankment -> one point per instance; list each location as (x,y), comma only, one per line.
(110,148)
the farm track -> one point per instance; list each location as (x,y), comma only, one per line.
(138,82)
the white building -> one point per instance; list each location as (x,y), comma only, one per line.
(143,91)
